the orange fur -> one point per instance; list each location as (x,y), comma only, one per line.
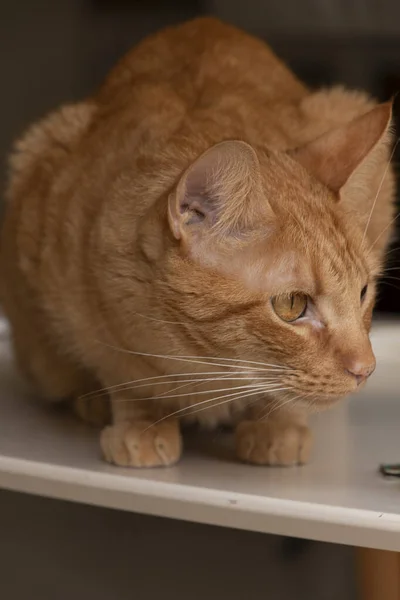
(132,231)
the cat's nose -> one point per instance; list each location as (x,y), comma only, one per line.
(361,369)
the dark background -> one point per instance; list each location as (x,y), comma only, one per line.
(57,51)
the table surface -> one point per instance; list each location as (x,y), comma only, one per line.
(340,497)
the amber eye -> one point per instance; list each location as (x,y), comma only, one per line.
(363,292)
(290,307)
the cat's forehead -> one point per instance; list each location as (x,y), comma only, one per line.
(324,258)
(310,244)
(323,240)
(328,252)
(339,268)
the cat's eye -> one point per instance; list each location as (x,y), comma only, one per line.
(290,307)
(363,292)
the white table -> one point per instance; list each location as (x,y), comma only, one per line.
(340,497)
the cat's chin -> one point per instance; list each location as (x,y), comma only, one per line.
(322,403)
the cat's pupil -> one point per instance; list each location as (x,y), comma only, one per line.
(363,292)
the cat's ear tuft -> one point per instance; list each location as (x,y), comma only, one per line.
(220,192)
(334,156)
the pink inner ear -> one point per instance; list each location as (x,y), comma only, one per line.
(191,204)
(199,201)
(221,188)
(333,157)
(197,209)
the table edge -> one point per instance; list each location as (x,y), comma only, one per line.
(203,505)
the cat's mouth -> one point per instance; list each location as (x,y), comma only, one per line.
(317,401)
(322,393)
(325,401)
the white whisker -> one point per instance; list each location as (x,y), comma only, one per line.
(383,231)
(197,382)
(176,412)
(392,250)
(259,386)
(379,189)
(387,270)
(155,380)
(278,405)
(238,396)
(270,408)
(392,277)
(195,359)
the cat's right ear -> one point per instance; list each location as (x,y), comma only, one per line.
(336,155)
(220,193)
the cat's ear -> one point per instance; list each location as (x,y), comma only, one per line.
(220,192)
(334,156)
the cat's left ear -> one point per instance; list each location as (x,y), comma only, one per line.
(334,156)
(219,196)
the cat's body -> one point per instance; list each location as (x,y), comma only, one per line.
(121,236)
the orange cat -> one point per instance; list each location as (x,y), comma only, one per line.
(201,239)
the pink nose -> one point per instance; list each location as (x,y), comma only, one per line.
(360,369)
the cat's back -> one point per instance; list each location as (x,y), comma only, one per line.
(200,54)
(175,94)
(190,86)
(205,81)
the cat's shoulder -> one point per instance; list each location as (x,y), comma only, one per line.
(336,105)
(47,142)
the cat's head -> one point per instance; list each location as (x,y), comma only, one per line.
(273,261)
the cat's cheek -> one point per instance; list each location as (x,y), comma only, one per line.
(312,318)
(316,324)
(306,325)
(367,316)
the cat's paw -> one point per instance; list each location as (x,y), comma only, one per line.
(141,444)
(273,442)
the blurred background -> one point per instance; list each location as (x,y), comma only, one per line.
(56,51)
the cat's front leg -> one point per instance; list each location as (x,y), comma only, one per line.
(282,439)
(138,437)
